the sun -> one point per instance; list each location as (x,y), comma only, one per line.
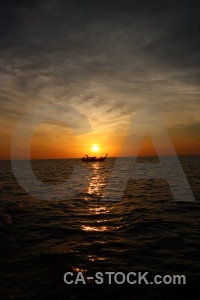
(95,148)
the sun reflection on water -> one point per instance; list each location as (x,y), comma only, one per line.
(78,270)
(93,258)
(98,214)
(99,210)
(97,181)
(94,228)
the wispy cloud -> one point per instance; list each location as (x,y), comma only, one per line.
(104,58)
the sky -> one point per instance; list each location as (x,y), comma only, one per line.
(66,63)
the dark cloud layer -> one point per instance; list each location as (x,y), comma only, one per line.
(112,55)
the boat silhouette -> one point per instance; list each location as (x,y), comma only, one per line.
(93,158)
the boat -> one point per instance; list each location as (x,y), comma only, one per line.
(93,158)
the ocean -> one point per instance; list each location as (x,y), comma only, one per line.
(147,231)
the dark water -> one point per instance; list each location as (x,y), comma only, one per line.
(147,231)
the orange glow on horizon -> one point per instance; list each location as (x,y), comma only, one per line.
(47,144)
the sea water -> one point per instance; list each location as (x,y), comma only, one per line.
(147,231)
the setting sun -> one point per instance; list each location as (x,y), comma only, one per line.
(95,148)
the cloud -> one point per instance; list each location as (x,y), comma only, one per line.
(105,58)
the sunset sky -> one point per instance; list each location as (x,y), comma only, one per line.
(106,60)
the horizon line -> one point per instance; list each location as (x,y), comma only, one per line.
(57,158)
